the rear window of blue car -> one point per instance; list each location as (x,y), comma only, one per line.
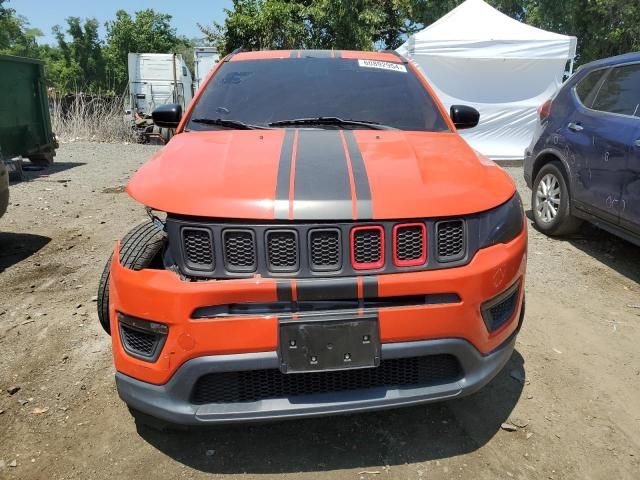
(612,90)
(620,92)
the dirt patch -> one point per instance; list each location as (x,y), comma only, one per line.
(566,405)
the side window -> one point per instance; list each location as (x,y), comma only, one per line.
(184,71)
(620,92)
(586,88)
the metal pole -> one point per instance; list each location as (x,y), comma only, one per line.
(175,81)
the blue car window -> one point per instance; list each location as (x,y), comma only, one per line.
(587,87)
(620,92)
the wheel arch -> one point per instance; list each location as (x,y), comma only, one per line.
(550,155)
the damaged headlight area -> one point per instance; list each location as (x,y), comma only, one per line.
(502,224)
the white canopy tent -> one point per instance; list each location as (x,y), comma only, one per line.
(477,56)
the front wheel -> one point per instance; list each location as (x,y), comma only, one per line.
(551,202)
(138,249)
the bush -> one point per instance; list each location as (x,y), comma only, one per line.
(92,118)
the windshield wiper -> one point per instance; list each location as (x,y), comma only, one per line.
(331,121)
(222,122)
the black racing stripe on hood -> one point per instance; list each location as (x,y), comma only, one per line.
(321,187)
(281,208)
(364,206)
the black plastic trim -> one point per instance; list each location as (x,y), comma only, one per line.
(320,268)
(234,268)
(488,305)
(317,305)
(285,269)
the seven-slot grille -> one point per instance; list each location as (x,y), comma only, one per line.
(450,237)
(325,250)
(198,247)
(367,244)
(227,250)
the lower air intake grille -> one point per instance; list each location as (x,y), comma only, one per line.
(255,385)
(138,342)
(496,315)
(367,247)
(198,248)
(450,235)
(324,246)
(239,250)
(282,250)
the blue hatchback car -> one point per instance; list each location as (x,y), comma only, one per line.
(584,160)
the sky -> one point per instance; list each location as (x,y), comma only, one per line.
(44,14)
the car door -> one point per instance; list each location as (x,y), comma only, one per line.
(599,134)
(630,214)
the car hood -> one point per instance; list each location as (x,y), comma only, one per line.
(314,174)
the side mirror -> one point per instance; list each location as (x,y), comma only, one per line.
(464,116)
(167,116)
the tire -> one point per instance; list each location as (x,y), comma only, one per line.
(42,159)
(138,249)
(544,202)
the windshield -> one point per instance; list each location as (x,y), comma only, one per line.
(260,92)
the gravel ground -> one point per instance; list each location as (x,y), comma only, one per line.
(571,388)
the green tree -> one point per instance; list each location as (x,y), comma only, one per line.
(603,27)
(77,64)
(16,38)
(148,32)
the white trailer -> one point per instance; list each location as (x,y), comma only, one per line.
(204,59)
(156,79)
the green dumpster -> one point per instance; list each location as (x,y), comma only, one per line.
(25,123)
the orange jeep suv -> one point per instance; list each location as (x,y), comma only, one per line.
(321,240)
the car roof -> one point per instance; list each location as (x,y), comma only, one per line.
(338,54)
(617,60)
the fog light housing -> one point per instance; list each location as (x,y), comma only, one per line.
(142,339)
(498,311)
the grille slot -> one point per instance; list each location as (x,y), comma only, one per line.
(198,248)
(255,385)
(138,342)
(239,250)
(410,244)
(282,250)
(325,252)
(368,247)
(451,240)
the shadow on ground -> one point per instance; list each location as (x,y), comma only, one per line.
(612,251)
(365,441)
(32,172)
(15,247)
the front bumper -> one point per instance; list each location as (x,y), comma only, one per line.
(171,401)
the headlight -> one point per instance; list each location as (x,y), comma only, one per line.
(502,224)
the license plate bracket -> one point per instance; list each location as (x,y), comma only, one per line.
(329,344)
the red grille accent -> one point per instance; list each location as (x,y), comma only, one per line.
(409,244)
(367,247)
